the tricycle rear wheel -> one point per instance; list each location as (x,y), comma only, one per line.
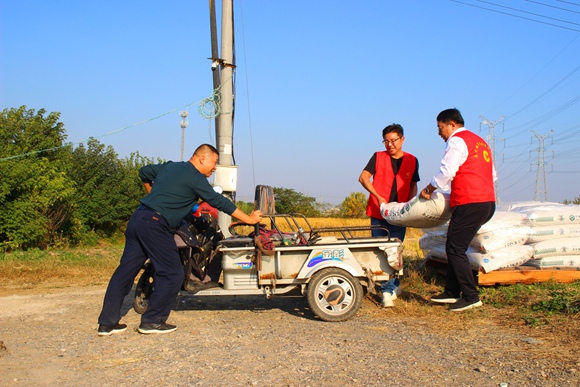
(334,295)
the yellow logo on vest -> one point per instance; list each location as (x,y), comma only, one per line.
(484,151)
(486,156)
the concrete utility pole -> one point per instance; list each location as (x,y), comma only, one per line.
(215,60)
(224,136)
(541,193)
(491,141)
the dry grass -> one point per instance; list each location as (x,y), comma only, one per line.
(59,268)
(508,305)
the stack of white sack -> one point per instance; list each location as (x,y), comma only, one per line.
(498,243)
(555,233)
(419,212)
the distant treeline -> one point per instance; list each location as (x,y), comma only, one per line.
(53,194)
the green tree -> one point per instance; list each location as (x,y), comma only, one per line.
(576,200)
(288,201)
(246,207)
(34,189)
(107,189)
(354,206)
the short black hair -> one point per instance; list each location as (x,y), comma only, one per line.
(449,115)
(205,148)
(394,128)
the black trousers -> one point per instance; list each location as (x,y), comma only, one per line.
(147,236)
(465,221)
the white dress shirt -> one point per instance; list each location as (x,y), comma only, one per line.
(454,156)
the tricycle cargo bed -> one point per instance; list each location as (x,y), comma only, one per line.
(294,256)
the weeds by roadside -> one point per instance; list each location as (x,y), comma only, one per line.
(548,306)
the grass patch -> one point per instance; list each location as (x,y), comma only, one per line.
(548,306)
(63,267)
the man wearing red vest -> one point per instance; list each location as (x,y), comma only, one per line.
(467,166)
(394,176)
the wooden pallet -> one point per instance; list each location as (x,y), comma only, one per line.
(528,275)
(517,275)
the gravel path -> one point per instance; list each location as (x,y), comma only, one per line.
(51,339)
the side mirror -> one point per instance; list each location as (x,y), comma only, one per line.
(264,199)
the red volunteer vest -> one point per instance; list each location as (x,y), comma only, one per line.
(383,180)
(473,182)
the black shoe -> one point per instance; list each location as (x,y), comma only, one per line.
(197,286)
(445,298)
(105,330)
(463,304)
(147,328)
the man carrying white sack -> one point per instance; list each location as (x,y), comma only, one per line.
(467,166)
(394,176)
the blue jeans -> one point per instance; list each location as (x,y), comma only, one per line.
(394,232)
(390,285)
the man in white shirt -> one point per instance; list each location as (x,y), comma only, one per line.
(467,169)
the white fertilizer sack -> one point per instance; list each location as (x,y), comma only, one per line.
(418,212)
(515,206)
(506,257)
(556,261)
(502,220)
(504,229)
(549,215)
(558,246)
(498,239)
(544,233)
(437,252)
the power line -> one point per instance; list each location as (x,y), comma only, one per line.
(537,73)
(202,106)
(519,17)
(551,6)
(538,121)
(569,2)
(529,13)
(546,92)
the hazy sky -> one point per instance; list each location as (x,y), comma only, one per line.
(316,82)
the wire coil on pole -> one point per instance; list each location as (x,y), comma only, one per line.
(209,107)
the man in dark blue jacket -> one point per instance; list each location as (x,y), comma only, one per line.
(172,188)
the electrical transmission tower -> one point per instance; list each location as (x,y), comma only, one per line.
(491,141)
(183,115)
(541,193)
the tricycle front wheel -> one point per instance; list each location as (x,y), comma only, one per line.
(144,289)
(334,295)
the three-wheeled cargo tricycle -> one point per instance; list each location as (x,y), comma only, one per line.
(332,267)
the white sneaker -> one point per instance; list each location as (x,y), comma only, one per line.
(396,292)
(387,301)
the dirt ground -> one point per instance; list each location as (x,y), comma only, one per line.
(48,337)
